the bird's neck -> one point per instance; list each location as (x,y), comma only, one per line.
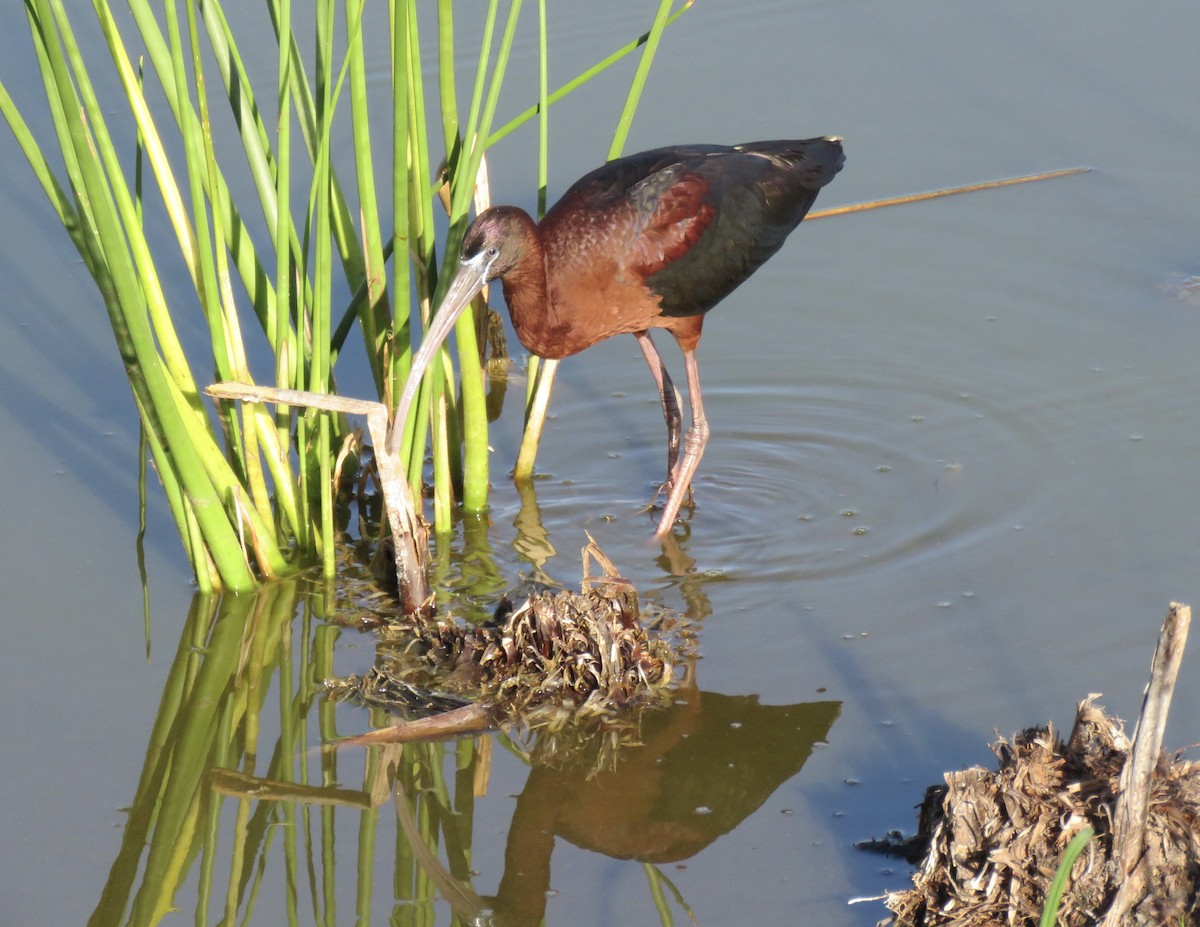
(527,294)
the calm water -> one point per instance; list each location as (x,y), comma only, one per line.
(951,487)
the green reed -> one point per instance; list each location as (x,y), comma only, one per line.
(272,238)
(240,798)
(1050,909)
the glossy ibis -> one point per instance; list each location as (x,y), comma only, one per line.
(652,240)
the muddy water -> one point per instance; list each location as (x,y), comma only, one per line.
(951,486)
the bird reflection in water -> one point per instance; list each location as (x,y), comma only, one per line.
(704,766)
(701,768)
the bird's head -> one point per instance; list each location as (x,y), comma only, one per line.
(495,242)
(493,245)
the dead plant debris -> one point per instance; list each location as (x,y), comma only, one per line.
(995,838)
(559,658)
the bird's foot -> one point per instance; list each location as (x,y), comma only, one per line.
(664,493)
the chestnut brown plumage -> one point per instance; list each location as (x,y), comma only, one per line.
(653,240)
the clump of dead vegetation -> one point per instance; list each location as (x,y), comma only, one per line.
(995,839)
(558,658)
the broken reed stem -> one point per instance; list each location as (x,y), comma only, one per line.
(326,402)
(949,191)
(474,718)
(242,785)
(1133,802)
(409,533)
(466,906)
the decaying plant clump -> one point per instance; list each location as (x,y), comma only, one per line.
(996,838)
(557,658)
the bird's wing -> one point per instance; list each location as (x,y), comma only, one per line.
(640,203)
(673,210)
(708,224)
(691,223)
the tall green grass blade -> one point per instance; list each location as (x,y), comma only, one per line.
(1058,886)
(447,461)
(287,353)
(474,402)
(543,111)
(415,165)
(57,197)
(203,272)
(533,367)
(460,167)
(243,107)
(307,121)
(233,230)
(323,200)
(107,203)
(375,316)
(639,78)
(398,349)
(201,165)
(579,80)
(320,311)
(129,214)
(447,93)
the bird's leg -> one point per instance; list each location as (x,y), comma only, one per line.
(669,396)
(693,449)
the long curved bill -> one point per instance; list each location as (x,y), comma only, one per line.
(470,279)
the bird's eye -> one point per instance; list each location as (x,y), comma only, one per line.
(493,251)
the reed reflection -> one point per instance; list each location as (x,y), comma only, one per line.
(532,543)
(243,805)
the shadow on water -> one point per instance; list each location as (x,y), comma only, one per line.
(245,812)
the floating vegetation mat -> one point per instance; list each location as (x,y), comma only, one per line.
(557,660)
(995,839)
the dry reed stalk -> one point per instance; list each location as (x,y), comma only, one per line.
(947,191)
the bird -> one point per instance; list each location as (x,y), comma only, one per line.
(651,240)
